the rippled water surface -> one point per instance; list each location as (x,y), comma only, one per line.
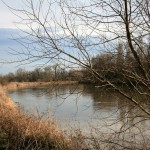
(79,106)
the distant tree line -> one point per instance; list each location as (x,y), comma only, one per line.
(47,74)
(119,66)
(113,66)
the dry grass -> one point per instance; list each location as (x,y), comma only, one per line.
(4,100)
(16,85)
(18,131)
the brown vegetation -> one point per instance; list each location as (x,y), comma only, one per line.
(25,132)
(16,85)
(4,100)
(20,131)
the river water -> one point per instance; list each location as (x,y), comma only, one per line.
(82,107)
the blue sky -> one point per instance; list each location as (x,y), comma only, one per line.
(6,44)
(8,31)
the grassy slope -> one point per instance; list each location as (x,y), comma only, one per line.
(19,131)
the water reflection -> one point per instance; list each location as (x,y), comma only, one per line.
(82,105)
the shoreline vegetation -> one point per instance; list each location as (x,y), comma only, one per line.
(16,85)
(22,131)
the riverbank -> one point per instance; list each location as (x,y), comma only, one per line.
(23,131)
(16,85)
(20,131)
(5,100)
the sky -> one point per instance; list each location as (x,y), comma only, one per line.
(8,31)
(6,16)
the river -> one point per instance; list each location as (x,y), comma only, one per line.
(81,107)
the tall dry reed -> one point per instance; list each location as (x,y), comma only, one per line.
(19,131)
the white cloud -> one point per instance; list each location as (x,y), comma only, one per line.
(7,18)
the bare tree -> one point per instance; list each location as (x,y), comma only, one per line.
(73,32)
(20,73)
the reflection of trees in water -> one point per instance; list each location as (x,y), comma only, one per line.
(102,99)
(58,90)
(129,115)
(104,102)
(107,106)
(25,91)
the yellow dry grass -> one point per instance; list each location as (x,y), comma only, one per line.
(6,101)
(16,85)
(22,131)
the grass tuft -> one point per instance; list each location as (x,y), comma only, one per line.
(19,131)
